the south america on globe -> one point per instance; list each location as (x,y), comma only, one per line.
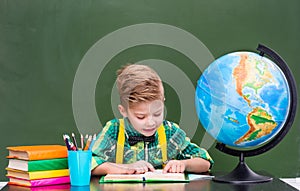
(242,99)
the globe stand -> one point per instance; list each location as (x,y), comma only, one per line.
(242,174)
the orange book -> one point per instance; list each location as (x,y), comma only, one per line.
(37,152)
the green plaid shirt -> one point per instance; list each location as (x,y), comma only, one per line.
(179,145)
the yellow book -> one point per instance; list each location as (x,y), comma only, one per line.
(36,174)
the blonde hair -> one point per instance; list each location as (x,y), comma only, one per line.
(138,83)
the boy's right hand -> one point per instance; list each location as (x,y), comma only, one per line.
(138,167)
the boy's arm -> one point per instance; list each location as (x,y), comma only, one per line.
(196,165)
(179,142)
(111,168)
(138,167)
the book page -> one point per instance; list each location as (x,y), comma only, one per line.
(2,184)
(193,177)
(159,175)
(18,154)
(123,177)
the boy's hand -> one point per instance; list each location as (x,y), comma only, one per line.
(140,167)
(174,166)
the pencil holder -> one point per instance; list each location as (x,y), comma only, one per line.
(80,188)
(80,167)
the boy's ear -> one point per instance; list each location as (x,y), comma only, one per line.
(122,110)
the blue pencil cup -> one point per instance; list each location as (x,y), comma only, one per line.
(80,188)
(80,167)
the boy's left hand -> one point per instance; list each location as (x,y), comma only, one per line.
(174,166)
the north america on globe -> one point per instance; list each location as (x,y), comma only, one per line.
(242,99)
(252,74)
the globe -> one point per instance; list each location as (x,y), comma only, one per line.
(242,99)
(247,102)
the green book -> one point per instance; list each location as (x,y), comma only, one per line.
(38,165)
(156,176)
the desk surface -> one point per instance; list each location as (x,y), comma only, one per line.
(199,185)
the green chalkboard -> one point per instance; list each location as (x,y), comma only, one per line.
(46,45)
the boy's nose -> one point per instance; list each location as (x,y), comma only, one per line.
(150,121)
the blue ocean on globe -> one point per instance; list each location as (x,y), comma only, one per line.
(242,99)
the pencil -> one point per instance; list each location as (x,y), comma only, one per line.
(67,142)
(93,142)
(72,146)
(87,145)
(81,141)
(74,140)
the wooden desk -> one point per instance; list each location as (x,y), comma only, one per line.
(199,185)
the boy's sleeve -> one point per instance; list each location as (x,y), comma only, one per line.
(184,148)
(104,148)
(194,151)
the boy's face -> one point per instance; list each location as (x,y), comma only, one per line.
(145,117)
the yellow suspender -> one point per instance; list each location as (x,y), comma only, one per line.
(120,144)
(162,140)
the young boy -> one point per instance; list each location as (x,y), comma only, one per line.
(143,140)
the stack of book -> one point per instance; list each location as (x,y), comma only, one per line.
(37,165)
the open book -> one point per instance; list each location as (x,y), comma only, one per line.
(156,176)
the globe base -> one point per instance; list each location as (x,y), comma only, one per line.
(242,174)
